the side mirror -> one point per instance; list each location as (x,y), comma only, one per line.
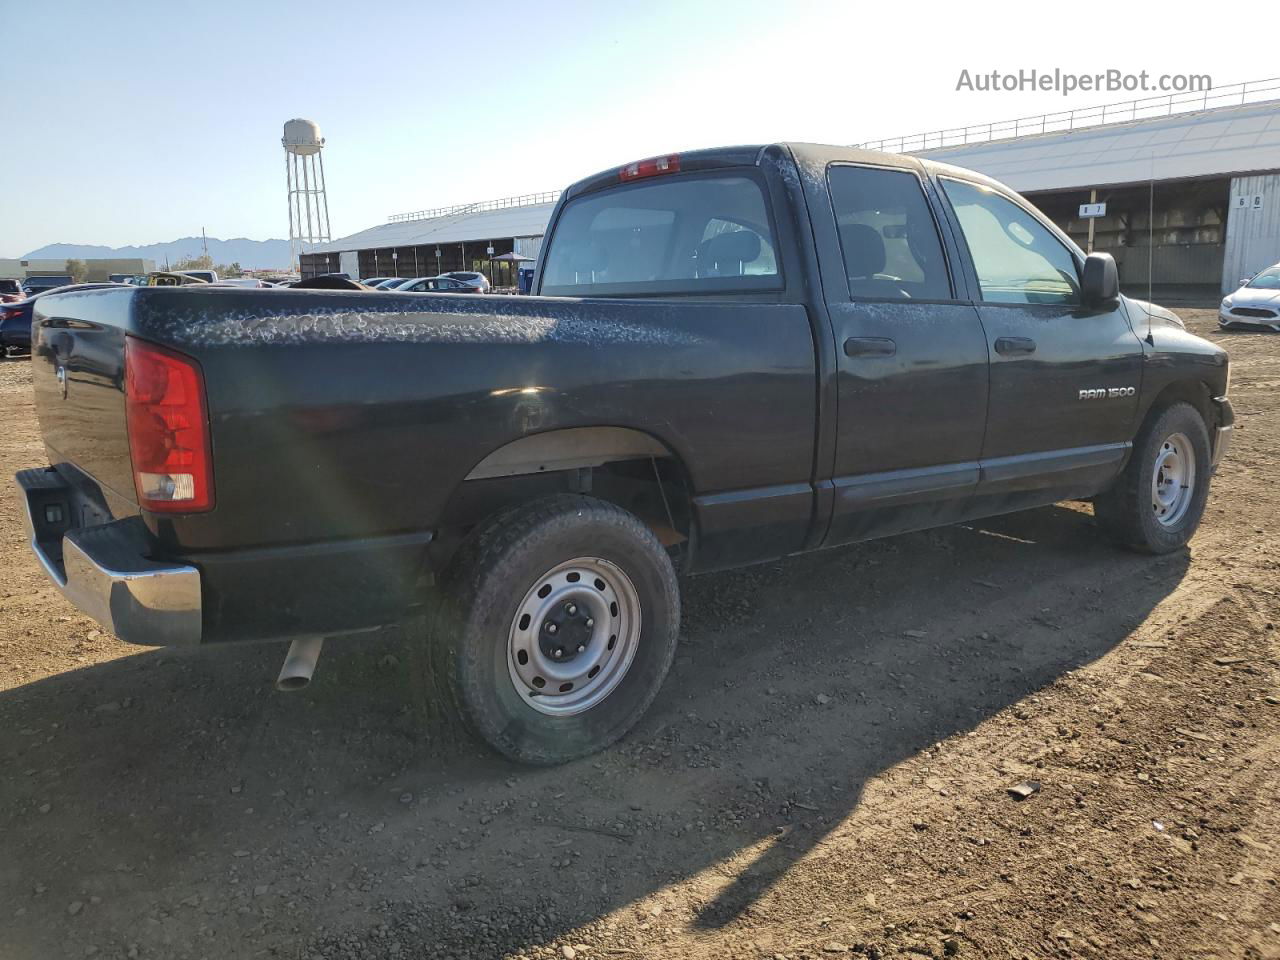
(1244,281)
(1100,283)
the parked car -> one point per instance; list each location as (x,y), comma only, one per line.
(328,281)
(374,281)
(471,278)
(34,285)
(11,290)
(15,328)
(391,283)
(435,285)
(208,276)
(730,356)
(173,278)
(1255,304)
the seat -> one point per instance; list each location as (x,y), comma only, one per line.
(864,258)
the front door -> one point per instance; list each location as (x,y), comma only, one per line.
(911,360)
(1064,377)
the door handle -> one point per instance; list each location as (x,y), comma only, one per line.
(869,347)
(1013,346)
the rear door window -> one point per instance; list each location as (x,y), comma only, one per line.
(691,234)
(887,235)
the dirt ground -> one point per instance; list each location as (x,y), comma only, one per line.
(825,773)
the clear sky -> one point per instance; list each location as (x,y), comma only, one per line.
(137,122)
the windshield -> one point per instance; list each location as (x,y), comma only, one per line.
(1268,279)
(694,234)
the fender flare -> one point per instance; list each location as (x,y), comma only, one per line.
(567,449)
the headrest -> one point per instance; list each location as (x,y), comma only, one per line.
(922,239)
(863,249)
(726,251)
(592,258)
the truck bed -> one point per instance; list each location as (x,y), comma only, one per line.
(341,418)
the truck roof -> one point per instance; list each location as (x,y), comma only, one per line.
(805,153)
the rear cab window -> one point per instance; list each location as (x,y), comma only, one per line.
(686,234)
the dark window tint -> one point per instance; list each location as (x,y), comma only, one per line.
(888,236)
(683,235)
(1017,259)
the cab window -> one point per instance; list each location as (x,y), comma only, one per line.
(887,235)
(687,234)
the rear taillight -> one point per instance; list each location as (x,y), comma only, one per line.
(653,167)
(168,429)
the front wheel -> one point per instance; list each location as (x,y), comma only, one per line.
(557,626)
(1156,504)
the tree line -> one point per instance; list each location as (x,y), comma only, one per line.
(78,270)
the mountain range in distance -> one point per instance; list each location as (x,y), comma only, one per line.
(250,254)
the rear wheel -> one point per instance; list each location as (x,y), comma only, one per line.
(1156,504)
(557,626)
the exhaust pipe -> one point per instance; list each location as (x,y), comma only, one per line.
(299,663)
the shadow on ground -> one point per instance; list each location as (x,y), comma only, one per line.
(172,803)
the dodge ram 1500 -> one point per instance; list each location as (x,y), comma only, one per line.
(730,356)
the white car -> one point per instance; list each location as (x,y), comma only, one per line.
(1255,304)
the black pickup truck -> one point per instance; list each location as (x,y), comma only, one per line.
(731,356)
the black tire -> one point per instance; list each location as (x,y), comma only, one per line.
(491,577)
(1127,512)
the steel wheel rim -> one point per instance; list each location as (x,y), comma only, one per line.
(569,595)
(1173,481)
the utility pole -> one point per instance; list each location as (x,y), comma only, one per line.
(1093,198)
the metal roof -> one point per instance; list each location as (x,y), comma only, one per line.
(524,221)
(1219,141)
(1215,142)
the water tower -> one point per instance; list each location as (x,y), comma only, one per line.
(304,173)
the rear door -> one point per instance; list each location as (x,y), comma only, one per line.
(1064,377)
(911,356)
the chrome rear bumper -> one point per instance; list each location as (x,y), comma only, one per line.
(103,570)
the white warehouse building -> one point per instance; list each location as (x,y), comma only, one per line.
(429,242)
(1192,198)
